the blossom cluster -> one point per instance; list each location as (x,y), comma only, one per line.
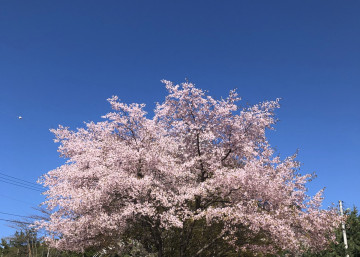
(196,158)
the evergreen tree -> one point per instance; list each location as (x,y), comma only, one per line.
(352,226)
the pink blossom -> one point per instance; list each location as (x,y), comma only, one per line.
(131,167)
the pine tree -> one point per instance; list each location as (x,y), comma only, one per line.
(337,248)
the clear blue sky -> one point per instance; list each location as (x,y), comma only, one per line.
(61,60)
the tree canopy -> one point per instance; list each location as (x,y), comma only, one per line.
(199,178)
(337,248)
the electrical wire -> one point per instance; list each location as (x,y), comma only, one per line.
(15,199)
(20,182)
(15,221)
(11,214)
(20,185)
(25,181)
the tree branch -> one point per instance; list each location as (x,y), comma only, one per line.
(209,244)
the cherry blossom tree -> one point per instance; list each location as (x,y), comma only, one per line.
(197,178)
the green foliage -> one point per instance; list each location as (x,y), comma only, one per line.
(196,238)
(26,242)
(352,226)
(139,242)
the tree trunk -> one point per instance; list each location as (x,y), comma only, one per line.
(29,248)
(160,246)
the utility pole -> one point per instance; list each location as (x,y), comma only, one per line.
(343,228)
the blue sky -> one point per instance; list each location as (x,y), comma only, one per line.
(61,60)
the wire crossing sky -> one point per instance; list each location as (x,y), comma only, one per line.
(20,182)
(61,60)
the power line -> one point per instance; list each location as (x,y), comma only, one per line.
(11,214)
(15,199)
(16,221)
(20,180)
(20,185)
